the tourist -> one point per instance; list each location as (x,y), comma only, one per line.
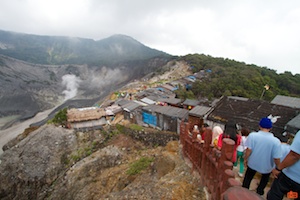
(262,153)
(230,131)
(216,132)
(203,130)
(287,174)
(240,151)
(195,132)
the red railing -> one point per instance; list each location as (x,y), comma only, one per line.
(214,166)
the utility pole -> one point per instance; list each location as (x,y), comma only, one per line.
(266,87)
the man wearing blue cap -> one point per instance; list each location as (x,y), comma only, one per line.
(262,153)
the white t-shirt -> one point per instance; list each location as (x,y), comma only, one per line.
(242,147)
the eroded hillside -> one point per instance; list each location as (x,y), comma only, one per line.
(27,88)
(57,163)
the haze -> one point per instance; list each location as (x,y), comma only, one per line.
(264,33)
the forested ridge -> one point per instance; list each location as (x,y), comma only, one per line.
(232,78)
(59,50)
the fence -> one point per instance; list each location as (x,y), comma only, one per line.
(214,166)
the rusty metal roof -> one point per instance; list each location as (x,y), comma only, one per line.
(85,114)
(249,112)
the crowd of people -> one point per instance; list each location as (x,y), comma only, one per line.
(261,152)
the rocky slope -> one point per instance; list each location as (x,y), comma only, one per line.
(27,88)
(40,72)
(56,163)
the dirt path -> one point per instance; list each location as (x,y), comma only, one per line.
(12,132)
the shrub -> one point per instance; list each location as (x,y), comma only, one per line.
(136,127)
(60,118)
(140,165)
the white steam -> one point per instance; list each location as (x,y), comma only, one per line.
(71,82)
(104,77)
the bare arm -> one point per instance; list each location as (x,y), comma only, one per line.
(277,161)
(247,154)
(289,160)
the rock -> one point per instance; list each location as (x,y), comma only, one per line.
(56,163)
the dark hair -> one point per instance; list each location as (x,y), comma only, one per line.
(230,130)
(245,131)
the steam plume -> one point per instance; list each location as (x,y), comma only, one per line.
(71,82)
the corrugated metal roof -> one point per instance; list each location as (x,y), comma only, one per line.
(168,87)
(199,111)
(153,97)
(141,103)
(122,102)
(295,122)
(153,92)
(292,102)
(167,110)
(238,98)
(173,101)
(293,126)
(113,109)
(131,106)
(148,101)
(191,102)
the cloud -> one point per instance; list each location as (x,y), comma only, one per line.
(265,33)
(71,83)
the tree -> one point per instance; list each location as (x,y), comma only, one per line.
(227,76)
(60,118)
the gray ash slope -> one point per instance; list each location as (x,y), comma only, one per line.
(28,88)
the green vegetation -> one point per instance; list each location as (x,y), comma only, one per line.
(229,77)
(120,128)
(82,153)
(140,165)
(60,118)
(64,159)
(182,93)
(65,50)
(109,134)
(135,127)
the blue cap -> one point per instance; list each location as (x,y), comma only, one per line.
(265,123)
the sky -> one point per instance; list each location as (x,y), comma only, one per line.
(265,33)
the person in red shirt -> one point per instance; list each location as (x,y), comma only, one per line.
(230,131)
(203,130)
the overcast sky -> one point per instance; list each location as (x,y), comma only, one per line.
(261,32)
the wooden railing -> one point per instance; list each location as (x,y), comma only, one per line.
(214,166)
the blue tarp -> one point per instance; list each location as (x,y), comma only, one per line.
(160,89)
(192,77)
(149,119)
